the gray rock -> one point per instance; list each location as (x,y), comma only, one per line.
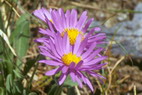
(128,34)
(138,16)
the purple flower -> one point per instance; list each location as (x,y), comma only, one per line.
(43,14)
(69,23)
(76,61)
(71,48)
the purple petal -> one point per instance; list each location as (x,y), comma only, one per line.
(97,39)
(82,76)
(72,76)
(62,78)
(58,44)
(95,61)
(63,18)
(72,66)
(77,44)
(79,64)
(65,69)
(97,35)
(78,81)
(67,15)
(56,19)
(41,40)
(86,80)
(51,62)
(54,49)
(93,55)
(45,53)
(97,29)
(64,43)
(73,18)
(82,47)
(46,32)
(89,84)
(89,33)
(87,53)
(99,77)
(53,71)
(87,25)
(50,26)
(42,14)
(67,45)
(82,20)
(92,67)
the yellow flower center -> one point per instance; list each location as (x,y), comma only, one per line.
(69,58)
(51,20)
(72,34)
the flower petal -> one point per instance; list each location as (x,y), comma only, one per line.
(82,20)
(87,25)
(73,19)
(87,53)
(79,64)
(78,81)
(62,78)
(89,84)
(93,55)
(95,61)
(53,71)
(65,69)
(51,62)
(77,44)
(72,76)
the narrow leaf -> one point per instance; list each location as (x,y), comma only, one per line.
(2,91)
(20,37)
(1,22)
(4,36)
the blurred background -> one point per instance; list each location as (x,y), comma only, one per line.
(121,20)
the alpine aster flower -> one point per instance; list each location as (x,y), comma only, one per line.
(69,23)
(71,48)
(43,14)
(75,61)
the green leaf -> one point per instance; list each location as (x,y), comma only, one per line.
(20,37)
(32,93)
(13,86)
(16,1)
(28,65)
(9,82)
(71,91)
(2,91)
(18,73)
(1,80)
(55,90)
(24,92)
(1,22)
(1,48)
(18,87)
(1,75)
(69,82)
(4,36)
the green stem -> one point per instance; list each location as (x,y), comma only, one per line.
(30,83)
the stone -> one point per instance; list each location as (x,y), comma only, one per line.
(127,35)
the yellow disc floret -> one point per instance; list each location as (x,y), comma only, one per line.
(69,58)
(72,34)
(51,20)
